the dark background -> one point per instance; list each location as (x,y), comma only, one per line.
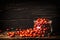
(22,14)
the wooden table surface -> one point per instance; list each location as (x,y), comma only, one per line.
(17,37)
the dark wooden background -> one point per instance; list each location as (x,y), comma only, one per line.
(22,13)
